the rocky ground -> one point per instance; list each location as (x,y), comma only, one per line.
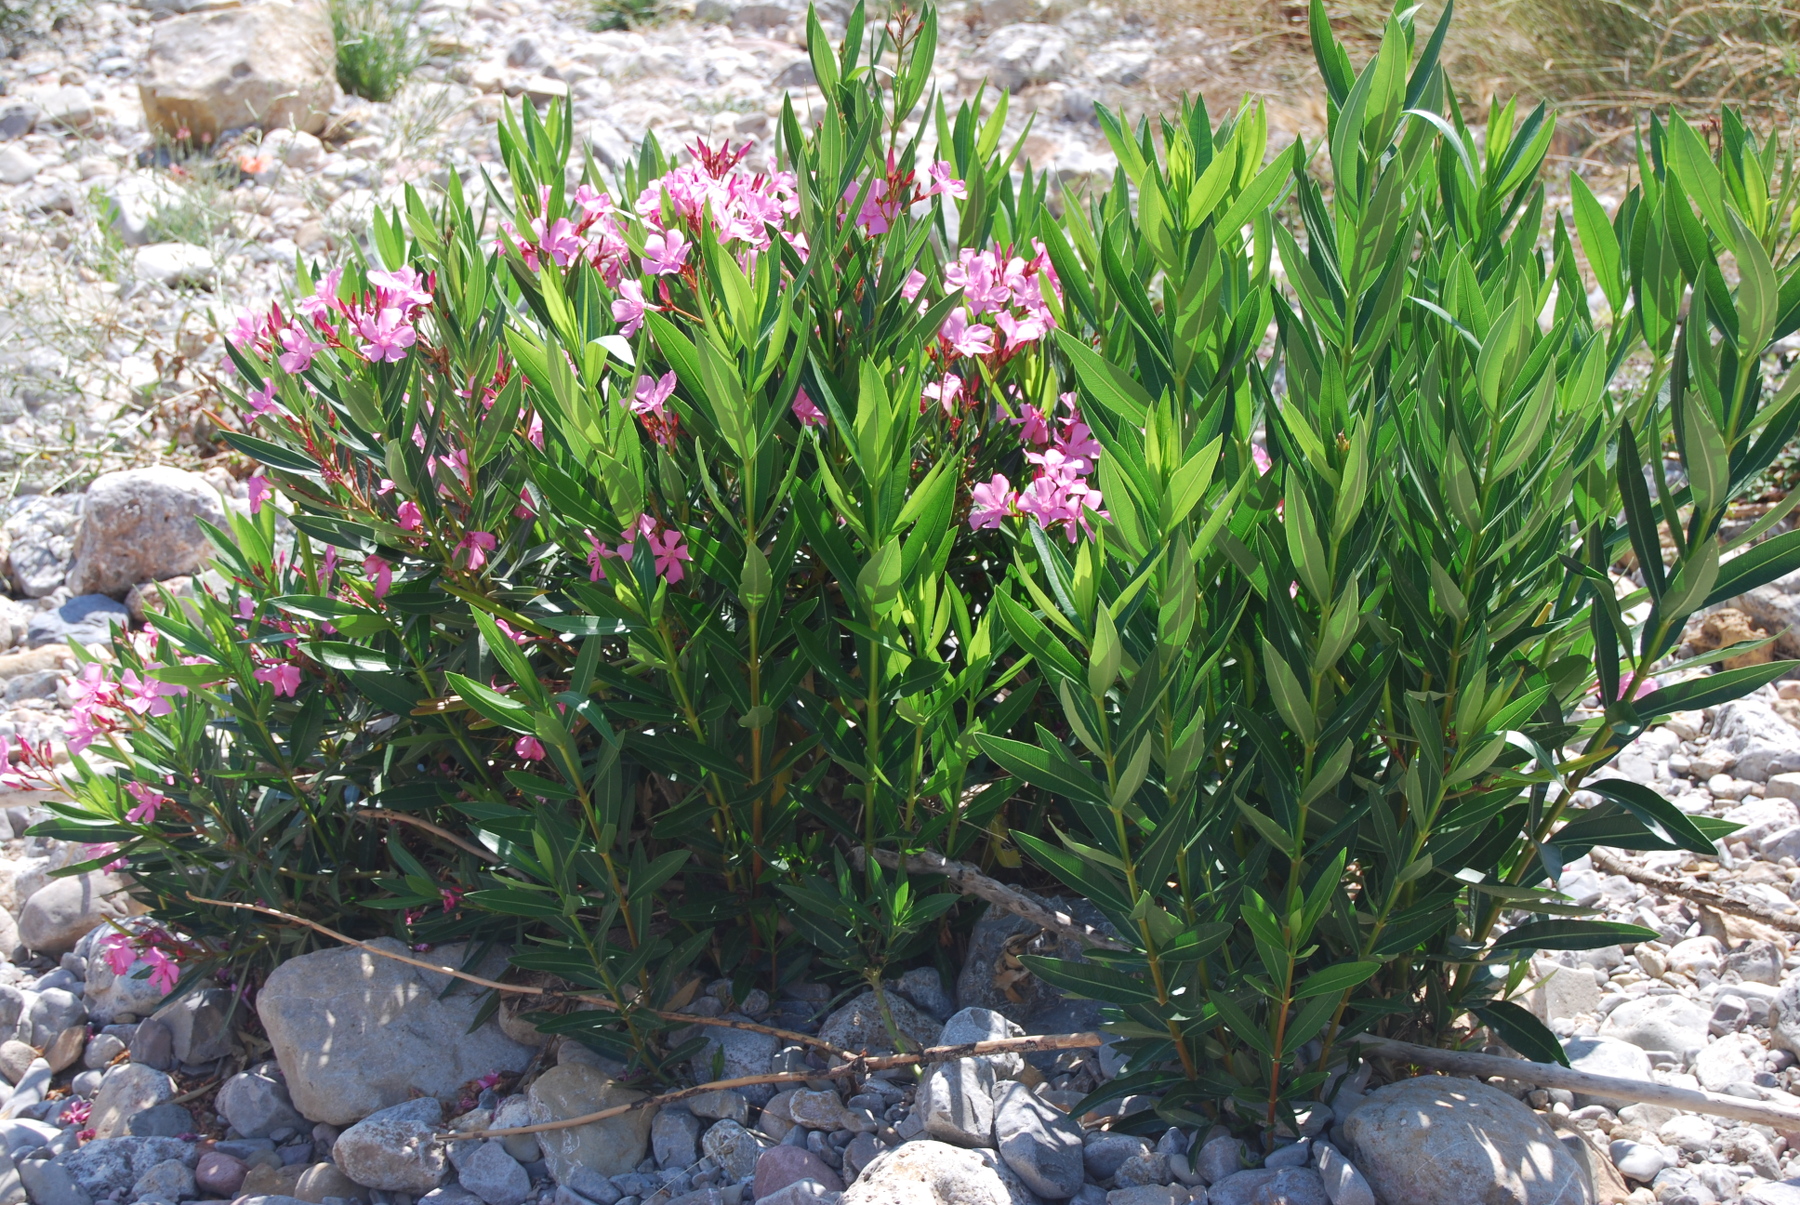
(124,259)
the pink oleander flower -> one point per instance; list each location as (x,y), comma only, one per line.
(403,287)
(528,748)
(248,329)
(524,508)
(913,285)
(993,501)
(116,948)
(1020,331)
(1034,426)
(652,394)
(664,254)
(534,431)
(596,553)
(1259,456)
(560,242)
(262,401)
(807,411)
(300,350)
(259,491)
(380,575)
(388,335)
(511,633)
(966,338)
(148,800)
(628,311)
(385,488)
(284,678)
(451,897)
(944,392)
(670,550)
(475,546)
(147,696)
(76,1113)
(409,516)
(164,973)
(942,182)
(323,299)
(1076,442)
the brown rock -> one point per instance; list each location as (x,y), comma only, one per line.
(271,1181)
(219,1175)
(271,65)
(67,1047)
(323,1180)
(1731,626)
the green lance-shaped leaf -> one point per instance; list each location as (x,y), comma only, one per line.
(1105,656)
(1289,695)
(1708,461)
(1305,547)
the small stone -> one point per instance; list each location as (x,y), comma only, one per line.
(720,1104)
(48,1183)
(924,988)
(985,1025)
(15,1058)
(933,1173)
(494,1176)
(1638,1160)
(219,1175)
(1148,1194)
(956,1100)
(611,1147)
(169,1180)
(1344,1185)
(127,1089)
(1104,1153)
(675,1137)
(858,1026)
(1039,1142)
(256,1103)
(1020,55)
(17,167)
(821,1111)
(780,1166)
(735,1149)
(324,1180)
(173,265)
(161,1121)
(153,1045)
(102,1049)
(395,1149)
(1244,1188)
(1142,1168)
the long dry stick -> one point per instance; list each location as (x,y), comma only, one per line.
(854,1068)
(486,855)
(1547,1075)
(1716,900)
(970,881)
(519,989)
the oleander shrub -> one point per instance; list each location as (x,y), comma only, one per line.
(636,565)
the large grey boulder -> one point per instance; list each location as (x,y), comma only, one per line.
(1039,1142)
(611,1147)
(1438,1140)
(272,65)
(60,913)
(934,1173)
(355,1032)
(142,525)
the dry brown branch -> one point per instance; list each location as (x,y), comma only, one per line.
(1545,1075)
(520,989)
(486,855)
(1716,900)
(970,881)
(856,1067)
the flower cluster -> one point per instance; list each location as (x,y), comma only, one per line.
(1004,311)
(594,235)
(379,326)
(1065,453)
(99,697)
(743,206)
(667,546)
(152,947)
(888,196)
